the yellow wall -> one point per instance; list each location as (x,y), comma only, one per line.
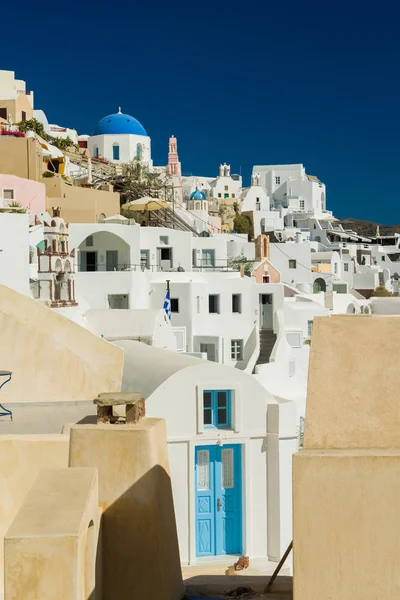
(353,383)
(52,358)
(78,204)
(322,268)
(15,108)
(48,553)
(21,459)
(22,157)
(346,481)
(346,524)
(135,494)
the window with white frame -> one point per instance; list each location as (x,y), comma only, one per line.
(208,258)
(89,240)
(383,258)
(301,203)
(8,194)
(292,263)
(237,349)
(217,409)
(309,328)
(346,267)
(335,268)
(277,180)
(164,239)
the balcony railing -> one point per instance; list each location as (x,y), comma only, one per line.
(206,266)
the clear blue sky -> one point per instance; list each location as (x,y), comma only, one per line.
(246,83)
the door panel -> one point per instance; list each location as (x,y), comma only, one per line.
(218,500)
(228,485)
(112,260)
(266,311)
(205,500)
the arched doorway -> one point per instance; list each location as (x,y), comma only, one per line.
(104,251)
(319,285)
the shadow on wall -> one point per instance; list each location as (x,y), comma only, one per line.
(139,543)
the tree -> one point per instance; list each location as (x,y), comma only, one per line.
(16,207)
(33,125)
(138,181)
(62,143)
(242,224)
(381,292)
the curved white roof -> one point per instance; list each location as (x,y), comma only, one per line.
(147,367)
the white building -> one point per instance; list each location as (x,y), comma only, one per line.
(14,251)
(256,203)
(225,432)
(226,187)
(293,261)
(291,188)
(120,138)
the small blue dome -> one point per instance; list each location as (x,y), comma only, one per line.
(117,124)
(198,195)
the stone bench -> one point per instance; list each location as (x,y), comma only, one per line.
(134,403)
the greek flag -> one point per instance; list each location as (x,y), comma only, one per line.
(167,304)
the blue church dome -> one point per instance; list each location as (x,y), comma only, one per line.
(198,195)
(117,124)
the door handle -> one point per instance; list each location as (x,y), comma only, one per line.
(218,505)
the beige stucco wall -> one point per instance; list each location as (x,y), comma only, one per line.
(22,458)
(139,539)
(353,383)
(346,525)
(52,358)
(78,204)
(22,157)
(50,548)
(16,106)
(346,483)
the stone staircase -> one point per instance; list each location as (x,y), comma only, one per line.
(267,342)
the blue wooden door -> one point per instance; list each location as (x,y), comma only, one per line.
(218,500)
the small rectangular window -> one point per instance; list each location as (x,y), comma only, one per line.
(346,266)
(213,303)
(237,349)
(309,328)
(237,303)
(174,305)
(208,258)
(219,195)
(8,194)
(165,253)
(207,408)
(233,195)
(277,180)
(3,113)
(163,239)
(23,115)
(226,188)
(292,263)
(217,409)
(383,258)
(89,240)
(301,203)
(226,195)
(144,259)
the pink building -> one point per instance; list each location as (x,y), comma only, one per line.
(29,194)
